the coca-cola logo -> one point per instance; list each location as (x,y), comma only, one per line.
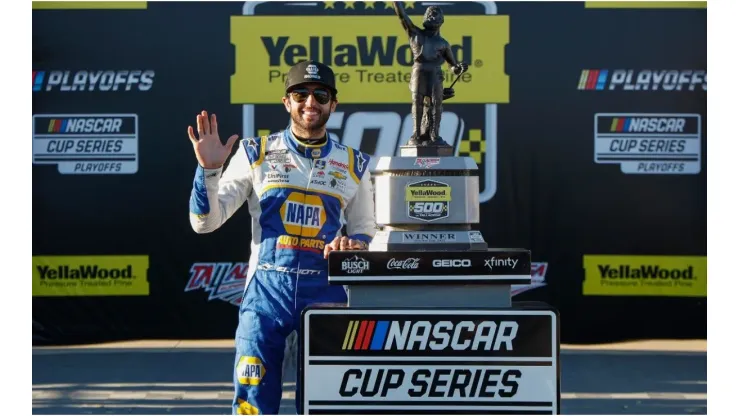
(408,264)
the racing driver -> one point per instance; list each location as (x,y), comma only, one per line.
(301,188)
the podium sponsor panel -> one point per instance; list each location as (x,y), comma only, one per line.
(414,361)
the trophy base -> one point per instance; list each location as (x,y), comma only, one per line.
(430,149)
(390,239)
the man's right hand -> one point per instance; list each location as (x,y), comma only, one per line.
(209,150)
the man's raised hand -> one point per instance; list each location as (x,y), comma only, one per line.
(209,150)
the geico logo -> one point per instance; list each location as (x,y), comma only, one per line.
(364,51)
(85,272)
(85,125)
(438,382)
(646,272)
(452,263)
(654,124)
(289,241)
(668,80)
(460,336)
(85,146)
(100,80)
(303,215)
(391,129)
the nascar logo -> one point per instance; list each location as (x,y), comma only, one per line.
(85,125)
(647,124)
(371,335)
(593,79)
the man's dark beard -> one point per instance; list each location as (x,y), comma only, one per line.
(304,132)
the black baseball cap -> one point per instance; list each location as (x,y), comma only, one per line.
(306,72)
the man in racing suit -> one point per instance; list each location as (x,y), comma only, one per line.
(301,187)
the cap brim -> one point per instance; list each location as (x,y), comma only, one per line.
(333,90)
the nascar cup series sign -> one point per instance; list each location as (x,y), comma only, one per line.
(365,361)
(83,144)
(649,143)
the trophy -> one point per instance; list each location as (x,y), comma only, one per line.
(430,50)
(427,198)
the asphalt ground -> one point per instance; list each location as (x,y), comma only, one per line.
(194,377)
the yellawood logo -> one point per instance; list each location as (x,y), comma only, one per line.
(645,275)
(371,66)
(90,275)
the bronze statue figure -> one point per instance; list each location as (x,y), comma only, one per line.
(429,51)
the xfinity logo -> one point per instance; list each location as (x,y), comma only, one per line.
(452,263)
(507,262)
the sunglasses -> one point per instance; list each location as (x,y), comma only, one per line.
(322,96)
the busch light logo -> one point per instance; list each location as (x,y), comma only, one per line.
(355,265)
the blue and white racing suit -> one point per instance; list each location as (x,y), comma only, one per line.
(299,198)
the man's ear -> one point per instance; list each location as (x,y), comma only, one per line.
(286,103)
(334,105)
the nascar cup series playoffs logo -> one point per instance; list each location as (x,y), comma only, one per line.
(369,52)
(668,144)
(83,144)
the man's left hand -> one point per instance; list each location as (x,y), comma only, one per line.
(343,243)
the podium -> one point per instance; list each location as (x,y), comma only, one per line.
(429,327)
